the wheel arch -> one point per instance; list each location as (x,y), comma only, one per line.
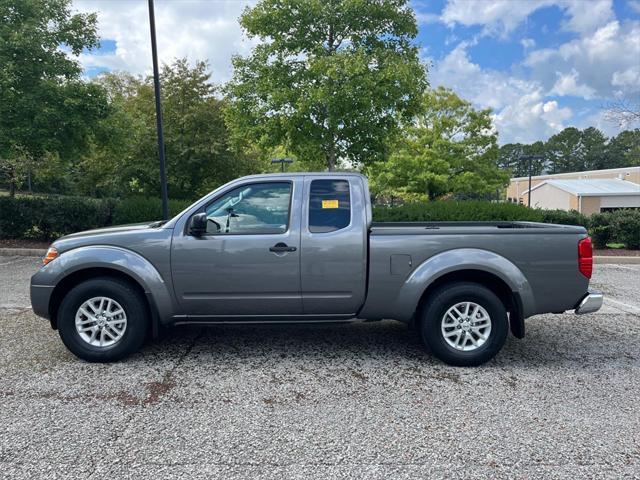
(84,263)
(487,268)
(510,299)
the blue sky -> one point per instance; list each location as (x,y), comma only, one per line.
(540,65)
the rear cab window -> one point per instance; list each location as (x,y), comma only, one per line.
(329,205)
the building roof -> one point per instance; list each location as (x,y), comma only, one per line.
(593,187)
(587,173)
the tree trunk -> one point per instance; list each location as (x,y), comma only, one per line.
(12,189)
(331,160)
(331,154)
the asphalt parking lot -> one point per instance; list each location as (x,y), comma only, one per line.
(344,401)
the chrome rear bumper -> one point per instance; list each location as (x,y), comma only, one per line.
(591,302)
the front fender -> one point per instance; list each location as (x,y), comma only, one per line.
(463,259)
(113,258)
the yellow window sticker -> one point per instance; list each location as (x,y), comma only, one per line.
(329,203)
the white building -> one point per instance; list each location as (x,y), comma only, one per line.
(586,196)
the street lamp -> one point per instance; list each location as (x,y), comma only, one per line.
(282,162)
(156,86)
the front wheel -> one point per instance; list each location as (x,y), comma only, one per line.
(103,320)
(464,324)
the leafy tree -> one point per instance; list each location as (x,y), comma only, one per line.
(330,80)
(515,158)
(44,104)
(624,149)
(594,149)
(566,152)
(448,148)
(122,158)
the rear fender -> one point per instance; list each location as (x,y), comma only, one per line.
(462,259)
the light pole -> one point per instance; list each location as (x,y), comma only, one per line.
(156,86)
(529,158)
(282,162)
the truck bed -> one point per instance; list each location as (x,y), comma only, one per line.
(546,254)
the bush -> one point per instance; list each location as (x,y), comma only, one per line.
(145,209)
(465,210)
(562,217)
(47,217)
(625,225)
(600,229)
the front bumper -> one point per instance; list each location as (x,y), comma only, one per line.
(591,302)
(40,297)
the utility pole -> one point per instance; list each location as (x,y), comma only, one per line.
(156,86)
(282,162)
(530,158)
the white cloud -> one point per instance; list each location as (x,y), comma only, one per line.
(629,78)
(426,18)
(605,59)
(521,113)
(192,29)
(586,17)
(501,17)
(569,84)
(634,5)
(528,43)
(498,16)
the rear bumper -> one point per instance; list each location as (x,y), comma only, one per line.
(591,302)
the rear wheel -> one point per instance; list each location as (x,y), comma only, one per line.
(464,324)
(103,320)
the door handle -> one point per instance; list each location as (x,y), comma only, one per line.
(282,247)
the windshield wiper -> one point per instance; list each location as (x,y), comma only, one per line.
(157,224)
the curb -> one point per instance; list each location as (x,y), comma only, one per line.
(616,259)
(22,252)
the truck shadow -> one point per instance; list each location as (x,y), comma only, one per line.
(551,339)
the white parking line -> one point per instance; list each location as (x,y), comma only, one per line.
(632,307)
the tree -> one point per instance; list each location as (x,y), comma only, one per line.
(624,112)
(122,157)
(514,157)
(331,79)
(624,149)
(566,151)
(594,146)
(448,148)
(44,104)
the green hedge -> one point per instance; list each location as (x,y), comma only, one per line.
(142,209)
(474,210)
(49,217)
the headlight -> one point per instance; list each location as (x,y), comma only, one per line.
(51,255)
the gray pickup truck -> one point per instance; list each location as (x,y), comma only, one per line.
(303,248)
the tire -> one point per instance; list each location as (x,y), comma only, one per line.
(129,334)
(475,342)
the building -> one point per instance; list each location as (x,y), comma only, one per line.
(588,192)
(586,196)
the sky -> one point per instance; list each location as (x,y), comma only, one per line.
(540,65)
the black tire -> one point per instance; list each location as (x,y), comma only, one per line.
(131,301)
(437,305)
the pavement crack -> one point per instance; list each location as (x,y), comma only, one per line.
(158,390)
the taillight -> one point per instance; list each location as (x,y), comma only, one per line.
(585,257)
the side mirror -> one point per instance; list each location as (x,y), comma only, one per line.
(198,224)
